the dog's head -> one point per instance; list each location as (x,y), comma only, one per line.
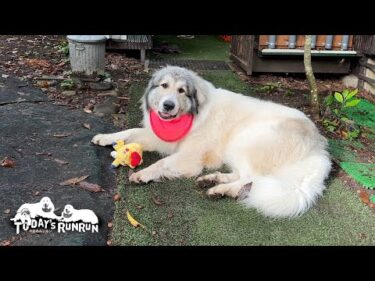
(174,91)
(68,211)
(47,205)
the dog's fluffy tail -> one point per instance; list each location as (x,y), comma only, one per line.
(290,191)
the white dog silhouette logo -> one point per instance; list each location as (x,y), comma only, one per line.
(42,215)
(44,209)
(73,215)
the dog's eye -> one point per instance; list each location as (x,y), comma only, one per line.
(181,90)
(164,85)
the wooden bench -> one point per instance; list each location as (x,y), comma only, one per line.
(132,42)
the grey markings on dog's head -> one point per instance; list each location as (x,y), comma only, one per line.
(178,87)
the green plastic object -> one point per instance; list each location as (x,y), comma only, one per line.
(363,173)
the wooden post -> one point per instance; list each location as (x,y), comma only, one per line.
(143,55)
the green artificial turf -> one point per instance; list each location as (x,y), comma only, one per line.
(202,47)
(188,217)
(364,173)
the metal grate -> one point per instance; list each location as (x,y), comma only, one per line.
(191,64)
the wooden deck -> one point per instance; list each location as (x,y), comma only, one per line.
(132,42)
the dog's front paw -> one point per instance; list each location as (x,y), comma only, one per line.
(215,192)
(224,190)
(140,177)
(205,182)
(102,139)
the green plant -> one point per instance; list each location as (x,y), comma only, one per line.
(104,75)
(335,118)
(67,84)
(64,48)
(268,88)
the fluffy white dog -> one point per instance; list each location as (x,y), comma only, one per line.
(73,215)
(276,148)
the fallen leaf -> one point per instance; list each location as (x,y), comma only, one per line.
(74,181)
(38,63)
(43,153)
(5,243)
(362,235)
(61,162)
(87,126)
(61,135)
(170,215)
(364,197)
(92,187)
(110,225)
(132,221)
(139,207)
(7,163)
(87,110)
(157,201)
(6,211)
(117,197)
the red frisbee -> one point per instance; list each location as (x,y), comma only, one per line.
(173,130)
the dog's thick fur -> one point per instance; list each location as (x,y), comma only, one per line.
(276,148)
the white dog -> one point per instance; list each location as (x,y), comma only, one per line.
(23,216)
(73,215)
(276,148)
(44,209)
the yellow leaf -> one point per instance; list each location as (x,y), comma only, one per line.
(132,221)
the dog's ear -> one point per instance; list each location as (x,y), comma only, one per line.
(192,94)
(151,85)
(198,91)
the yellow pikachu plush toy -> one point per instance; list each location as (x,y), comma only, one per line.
(126,154)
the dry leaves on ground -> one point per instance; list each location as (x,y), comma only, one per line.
(117,197)
(5,243)
(132,221)
(86,125)
(61,162)
(364,197)
(38,63)
(74,181)
(157,201)
(7,163)
(62,135)
(92,187)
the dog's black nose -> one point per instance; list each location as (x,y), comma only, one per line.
(168,105)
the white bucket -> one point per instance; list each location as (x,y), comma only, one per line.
(87,53)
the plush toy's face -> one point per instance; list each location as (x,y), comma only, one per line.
(130,154)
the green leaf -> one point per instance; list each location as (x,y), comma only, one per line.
(345,93)
(344,119)
(352,94)
(339,97)
(352,103)
(329,100)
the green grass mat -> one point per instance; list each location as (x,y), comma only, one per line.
(188,217)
